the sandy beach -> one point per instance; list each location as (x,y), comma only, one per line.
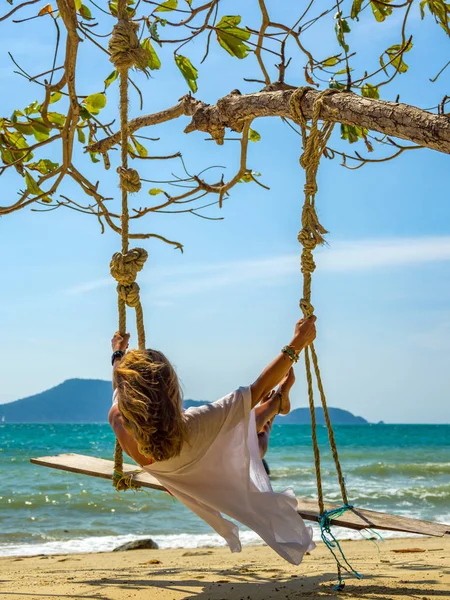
(397,569)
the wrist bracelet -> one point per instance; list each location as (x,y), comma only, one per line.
(117,354)
(290,351)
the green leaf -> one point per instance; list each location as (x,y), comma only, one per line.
(231,37)
(95,102)
(40,131)
(114,8)
(380,10)
(395,56)
(352,133)
(330,62)
(336,85)
(85,12)
(24,128)
(343,71)
(155,191)
(370,91)
(111,77)
(32,185)
(167,6)
(140,149)
(16,140)
(81,135)
(55,97)
(32,108)
(94,158)
(78,4)
(249,176)
(153,60)
(440,10)
(188,71)
(152,27)
(341,28)
(356,9)
(84,114)
(7,156)
(56,118)
(253,135)
(44,166)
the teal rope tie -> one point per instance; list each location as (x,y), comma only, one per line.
(328,538)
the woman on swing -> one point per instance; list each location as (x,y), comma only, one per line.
(209,457)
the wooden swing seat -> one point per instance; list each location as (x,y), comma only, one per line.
(356,518)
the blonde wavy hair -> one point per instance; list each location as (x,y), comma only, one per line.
(150,402)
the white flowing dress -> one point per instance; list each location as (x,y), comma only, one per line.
(220,471)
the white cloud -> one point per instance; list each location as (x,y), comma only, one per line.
(345,257)
(365,255)
(90,286)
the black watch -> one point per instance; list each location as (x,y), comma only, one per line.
(117,354)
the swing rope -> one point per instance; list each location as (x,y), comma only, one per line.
(310,236)
(126,53)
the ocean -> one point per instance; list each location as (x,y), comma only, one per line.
(402,469)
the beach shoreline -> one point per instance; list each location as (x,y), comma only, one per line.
(397,568)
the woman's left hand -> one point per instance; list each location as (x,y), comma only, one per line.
(120,342)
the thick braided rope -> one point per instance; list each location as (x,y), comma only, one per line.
(311,234)
(314,431)
(329,425)
(126,52)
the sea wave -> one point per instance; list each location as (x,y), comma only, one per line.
(438,495)
(420,469)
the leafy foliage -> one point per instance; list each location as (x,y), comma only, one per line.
(38,142)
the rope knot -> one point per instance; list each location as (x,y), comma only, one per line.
(306,239)
(125,267)
(310,188)
(125,48)
(311,224)
(129,179)
(307,308)
(129,294)
(307,261)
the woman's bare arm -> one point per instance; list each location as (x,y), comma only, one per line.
(127,441)
(305,333)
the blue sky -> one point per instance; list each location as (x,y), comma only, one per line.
(225,307)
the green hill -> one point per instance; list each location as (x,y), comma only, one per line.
(89,400)
(301,416)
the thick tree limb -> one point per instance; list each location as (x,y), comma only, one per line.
(389,118)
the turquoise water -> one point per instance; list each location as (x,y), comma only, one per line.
(403,469)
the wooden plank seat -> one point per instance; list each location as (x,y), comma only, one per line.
(356,518)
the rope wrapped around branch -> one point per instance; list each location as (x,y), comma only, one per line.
(310,236)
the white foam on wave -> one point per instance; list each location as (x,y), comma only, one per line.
(109,542)
(170,541)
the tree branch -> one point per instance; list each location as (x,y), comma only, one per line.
(186,106)
(389,118)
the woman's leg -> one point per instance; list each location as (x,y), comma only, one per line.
(263,439)
(267,410)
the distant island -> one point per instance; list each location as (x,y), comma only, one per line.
(89,400)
